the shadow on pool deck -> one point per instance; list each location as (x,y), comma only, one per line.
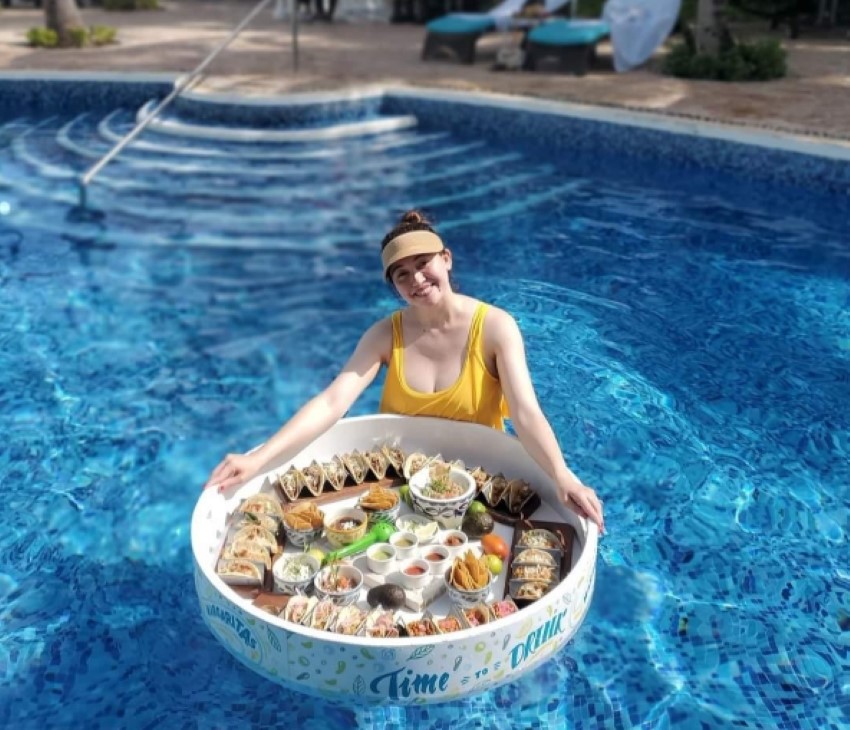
(814,99)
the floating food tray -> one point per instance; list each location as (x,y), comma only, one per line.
(417,669)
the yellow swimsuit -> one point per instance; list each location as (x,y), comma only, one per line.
(475,396)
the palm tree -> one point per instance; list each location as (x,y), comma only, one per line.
(710,28)
(61,16)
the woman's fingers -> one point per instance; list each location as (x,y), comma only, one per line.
(223,467)
(214,478)
(595,512)
(226,484)
(585,502)
(224,471)
(223,482)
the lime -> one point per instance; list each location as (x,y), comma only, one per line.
(494,564)
(476,508)
(404,493)
(317,553)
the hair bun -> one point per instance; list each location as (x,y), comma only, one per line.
(413,217)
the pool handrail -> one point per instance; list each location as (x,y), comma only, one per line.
(180,85)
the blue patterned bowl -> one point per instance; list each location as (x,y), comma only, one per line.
(466,599)
(447,512)
(326,584)
(295,573)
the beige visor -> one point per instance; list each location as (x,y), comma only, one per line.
(410,244)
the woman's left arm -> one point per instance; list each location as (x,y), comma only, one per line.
(531,426)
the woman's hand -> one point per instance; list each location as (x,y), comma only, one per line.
(234,470)
(584,501)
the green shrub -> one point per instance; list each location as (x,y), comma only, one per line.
(759,61)
(131,4)
(42,38)
(97,35)
(766,59)
(102,35)
(79,37)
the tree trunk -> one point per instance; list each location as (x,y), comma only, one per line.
(61,16)
(709,30)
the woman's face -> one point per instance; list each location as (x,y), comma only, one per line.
(423,279)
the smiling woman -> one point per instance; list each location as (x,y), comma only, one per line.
(447,356)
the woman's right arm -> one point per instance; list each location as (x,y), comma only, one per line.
(317,415)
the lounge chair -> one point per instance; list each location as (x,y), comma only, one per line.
(457,33)
(571,42)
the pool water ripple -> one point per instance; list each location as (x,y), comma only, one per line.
(688,339)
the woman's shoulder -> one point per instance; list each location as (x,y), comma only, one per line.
(499,326)
(497,317)
(381,327)
(378,339)
(491,311)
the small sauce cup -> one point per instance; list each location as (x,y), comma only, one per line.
(405,544)
(381,558)
(437,557)
(414,573)
(454,541)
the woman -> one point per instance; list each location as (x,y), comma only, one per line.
(448,355)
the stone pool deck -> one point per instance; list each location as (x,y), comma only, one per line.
(814,100)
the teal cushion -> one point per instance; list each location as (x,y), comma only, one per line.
(569,32)
(461,24)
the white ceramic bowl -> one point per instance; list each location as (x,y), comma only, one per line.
(402,550)
(448,512)
(454,549)
(381,558)
(414,579)
(423,527)
(295,582)
(437,557)
(341,596)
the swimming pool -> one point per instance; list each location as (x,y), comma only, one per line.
(685,311)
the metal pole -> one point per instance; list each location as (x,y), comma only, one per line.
(179,87)
(295,35)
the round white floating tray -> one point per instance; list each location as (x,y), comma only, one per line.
(406,670)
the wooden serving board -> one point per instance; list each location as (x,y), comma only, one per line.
(563,530)
(349,490)
(501,514)
(272,600)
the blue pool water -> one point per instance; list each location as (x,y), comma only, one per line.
(687,332)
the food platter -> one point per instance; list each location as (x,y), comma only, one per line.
(409,660)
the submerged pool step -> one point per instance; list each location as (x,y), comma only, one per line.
(339,130)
